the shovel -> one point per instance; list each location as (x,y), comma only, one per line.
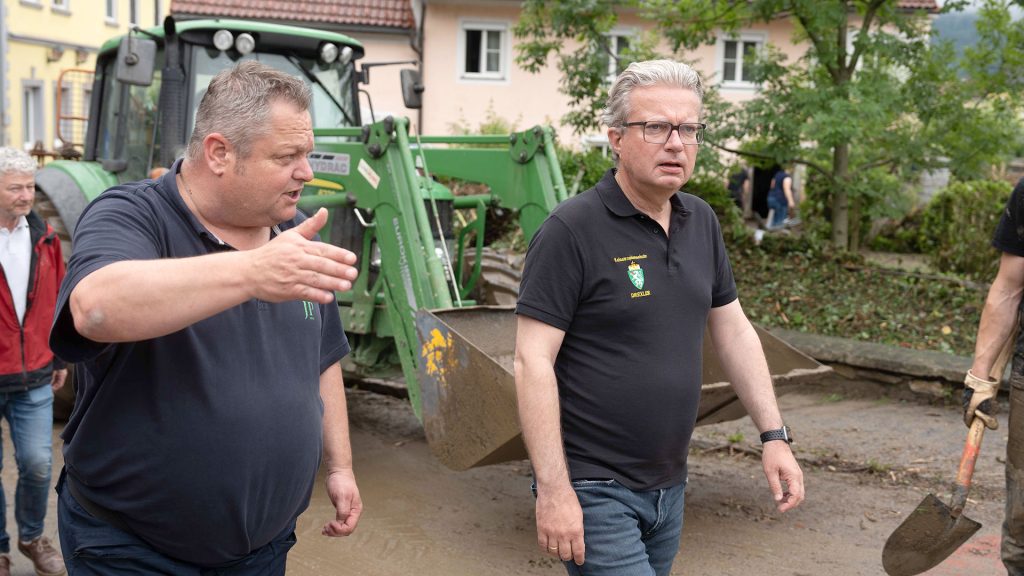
(934,530)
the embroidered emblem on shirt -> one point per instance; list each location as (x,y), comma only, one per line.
(636,275)
(307,307)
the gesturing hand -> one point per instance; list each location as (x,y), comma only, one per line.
(293,266)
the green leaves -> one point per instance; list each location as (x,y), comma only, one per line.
(870,100)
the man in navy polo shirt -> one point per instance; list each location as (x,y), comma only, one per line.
(619,285)
(201,309)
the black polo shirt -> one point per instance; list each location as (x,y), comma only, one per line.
(206,441)
(633,304)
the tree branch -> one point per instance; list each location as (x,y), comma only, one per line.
(813,165)
(865,28)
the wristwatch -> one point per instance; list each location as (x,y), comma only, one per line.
(783,433)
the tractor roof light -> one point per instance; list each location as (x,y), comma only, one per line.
(346,55)
(245,43)
(328,52)
(223,40)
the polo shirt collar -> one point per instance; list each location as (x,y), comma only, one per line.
(615,199)
(168,184)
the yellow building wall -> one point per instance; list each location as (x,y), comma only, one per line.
(45,37)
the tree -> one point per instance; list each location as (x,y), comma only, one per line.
(868,102)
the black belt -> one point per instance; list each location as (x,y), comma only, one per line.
(107,515)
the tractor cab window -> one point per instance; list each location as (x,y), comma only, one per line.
(332,91)
(128,123)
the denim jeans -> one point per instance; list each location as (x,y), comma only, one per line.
(628,533)
(781,208)
(29,414)
(93,547)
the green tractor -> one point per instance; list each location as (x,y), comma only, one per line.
(418,308)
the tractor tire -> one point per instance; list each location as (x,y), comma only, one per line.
(500,274)
(63,399)
(47,211)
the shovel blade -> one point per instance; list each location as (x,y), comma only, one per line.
(927,537)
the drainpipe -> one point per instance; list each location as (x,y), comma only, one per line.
(3,74)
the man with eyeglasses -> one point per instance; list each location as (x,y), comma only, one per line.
(31,267)
(618,287)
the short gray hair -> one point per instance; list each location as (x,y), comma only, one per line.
(14,161)
(237,105)
(648,73)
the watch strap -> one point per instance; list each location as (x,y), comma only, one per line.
(779,434)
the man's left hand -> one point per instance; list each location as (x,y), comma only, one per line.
(780,466)
(348,506)
(58,379)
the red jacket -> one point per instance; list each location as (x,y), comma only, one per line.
(25,356)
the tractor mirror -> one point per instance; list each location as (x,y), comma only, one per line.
(412,88)
(136,58)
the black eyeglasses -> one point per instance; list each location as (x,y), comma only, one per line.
(658,132)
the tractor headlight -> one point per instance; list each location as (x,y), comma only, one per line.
(223,39)
(328,53)
(245,43)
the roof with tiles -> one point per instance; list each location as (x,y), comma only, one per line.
(375,13)
(929,5)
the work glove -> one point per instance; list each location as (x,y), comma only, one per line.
(978,400)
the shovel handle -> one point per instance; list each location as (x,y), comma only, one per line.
(977,431)
(966,470)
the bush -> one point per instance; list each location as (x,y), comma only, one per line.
(713,191)
(958,225)
(582,170)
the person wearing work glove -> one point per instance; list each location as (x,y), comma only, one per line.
(978,395)
(999,320)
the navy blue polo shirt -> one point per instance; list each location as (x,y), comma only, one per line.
(633,304)
(206,441)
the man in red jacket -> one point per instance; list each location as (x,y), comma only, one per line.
(31,268)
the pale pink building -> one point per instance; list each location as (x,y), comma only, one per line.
(467,50)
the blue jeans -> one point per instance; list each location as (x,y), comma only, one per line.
(93,547)
(628,533)
(781,208)
(29,414)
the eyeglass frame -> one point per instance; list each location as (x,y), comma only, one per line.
(675,128)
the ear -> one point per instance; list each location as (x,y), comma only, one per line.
(615,139)
(218,153)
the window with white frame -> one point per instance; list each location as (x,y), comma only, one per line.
(111,11)
(484,50)
(618,43)
(32,129)
(66,107)
(61,5)
(737,56)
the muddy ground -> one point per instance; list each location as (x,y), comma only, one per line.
(869,457)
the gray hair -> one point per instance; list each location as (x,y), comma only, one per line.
(237,105)
(14,161)
(649,73)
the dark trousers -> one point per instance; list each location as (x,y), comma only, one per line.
(1013,526)
(93,547)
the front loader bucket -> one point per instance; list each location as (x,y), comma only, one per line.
(467,386)
(788,366)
